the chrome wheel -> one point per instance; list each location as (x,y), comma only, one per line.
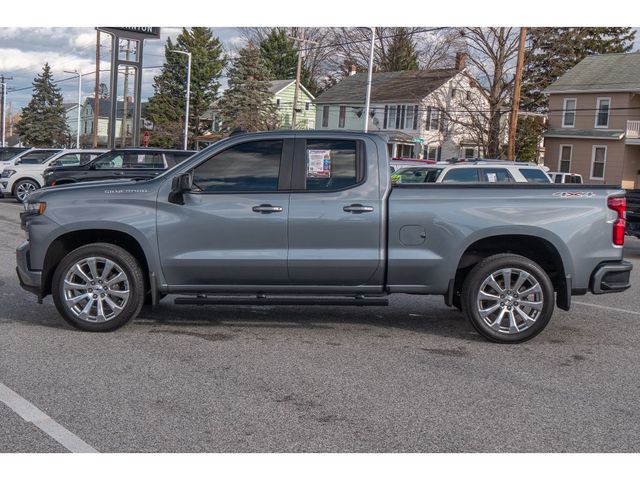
(510,300)
(25,188)
(96,289)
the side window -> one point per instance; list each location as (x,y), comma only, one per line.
(248,167)
(70,159)
(534,175)
(558,178)
(331,164)
(35,158)
(110,161)
(461,175)
(496,175)
(143,160)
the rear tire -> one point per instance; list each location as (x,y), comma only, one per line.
(98,287)
(508,298)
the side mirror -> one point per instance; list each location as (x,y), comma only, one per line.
(179,185)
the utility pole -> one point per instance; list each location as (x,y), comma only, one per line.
(369,75)
(96,92)
(76,72)
(513,123)
(3,105)
(188,96)
(301,42)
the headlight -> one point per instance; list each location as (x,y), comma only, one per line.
(7,173)
(36,208)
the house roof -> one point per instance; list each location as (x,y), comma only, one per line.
(69,106)
(278,85)
(411,85)
(105,106)
(601,73)
(598,133)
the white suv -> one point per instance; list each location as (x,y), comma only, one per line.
(481,171)
(25,176)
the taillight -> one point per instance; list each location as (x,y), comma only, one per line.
(53,184)
(619,205)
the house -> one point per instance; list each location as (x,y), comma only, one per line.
(283,92)
(594,120)
(104,105)
(420,112)
(71,117)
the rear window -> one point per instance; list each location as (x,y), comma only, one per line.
(35,158)
(461,175)
(417,175)
(534,175)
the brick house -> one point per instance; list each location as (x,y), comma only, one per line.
(594,120)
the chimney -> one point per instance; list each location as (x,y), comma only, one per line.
(129,99)
(461,58)
(353,70)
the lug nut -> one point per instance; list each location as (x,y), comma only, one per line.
(502,304)
(502,295)
(95,296)
(509,307)
(515,304)
(90,290)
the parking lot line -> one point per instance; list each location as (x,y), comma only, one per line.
(621,310)
(48,425)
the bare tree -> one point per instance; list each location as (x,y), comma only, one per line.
(492,54)
(438,49)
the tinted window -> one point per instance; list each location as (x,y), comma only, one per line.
(176,157)
(9,153)
(496,175)
(330,164)
(534,175)
(129,160)
(461,175)
(73,159)
(419,175)
(251,166)
(558,179)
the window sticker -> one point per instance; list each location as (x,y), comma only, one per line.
(492,177)
(319,163)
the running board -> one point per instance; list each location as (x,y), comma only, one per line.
(359,301)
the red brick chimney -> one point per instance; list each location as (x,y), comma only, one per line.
(461,59)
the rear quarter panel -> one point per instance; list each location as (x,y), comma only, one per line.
(454,217)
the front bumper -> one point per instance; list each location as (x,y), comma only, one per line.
(30,280)
(611,277)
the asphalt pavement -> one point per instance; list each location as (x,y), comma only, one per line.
(411,377)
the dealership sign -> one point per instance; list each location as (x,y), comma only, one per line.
(138,33)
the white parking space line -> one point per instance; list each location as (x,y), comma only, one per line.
(621,310)
(48,425)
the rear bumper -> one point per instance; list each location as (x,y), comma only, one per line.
(611,277)
(30,280)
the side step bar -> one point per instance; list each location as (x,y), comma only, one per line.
(359,301)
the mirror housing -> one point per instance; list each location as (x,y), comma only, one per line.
(180,184)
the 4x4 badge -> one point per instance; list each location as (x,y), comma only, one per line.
(574,194)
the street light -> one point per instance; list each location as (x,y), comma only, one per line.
(76,72)
(186,108)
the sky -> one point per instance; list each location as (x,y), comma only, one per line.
(23,52)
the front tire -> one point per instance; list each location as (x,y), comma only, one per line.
(23,188)
(508,298)
(98,287)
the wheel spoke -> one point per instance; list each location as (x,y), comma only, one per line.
(73,301)
(118,278)
(87,308)
(113,305)
(108,266)
(497,323)
(522,277)
(527,303)
(488,311)
(75,286)
(100,317)
(513,323)
(491,281)
(506,275)
(78,271)
(124,294)
(488,297)
(533,289)
(527,319)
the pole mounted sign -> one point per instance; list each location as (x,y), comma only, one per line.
(132,46)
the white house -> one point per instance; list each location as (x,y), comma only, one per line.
(423,113)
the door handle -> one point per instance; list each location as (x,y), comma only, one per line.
(357,208)
(266,208)
(118,173)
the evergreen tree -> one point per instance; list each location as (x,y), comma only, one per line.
(553,51)
(400,54)
(166,107)
(248,104)
(280,55)
(43,122)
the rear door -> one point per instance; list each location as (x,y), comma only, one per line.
(335,214)
(232,228)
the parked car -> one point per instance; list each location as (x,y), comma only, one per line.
(633,213)
(30,155)
(119,163)
(26,177)
(564,177)
(6,153)
(473,172)
(311,217)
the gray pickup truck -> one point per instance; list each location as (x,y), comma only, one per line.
(311,218)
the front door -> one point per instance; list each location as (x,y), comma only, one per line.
(335,214)
(232,228)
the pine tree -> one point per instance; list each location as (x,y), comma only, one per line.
(248,104)
(400,54)
(43,122)
(280,55)
(553,51)
(166,107)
